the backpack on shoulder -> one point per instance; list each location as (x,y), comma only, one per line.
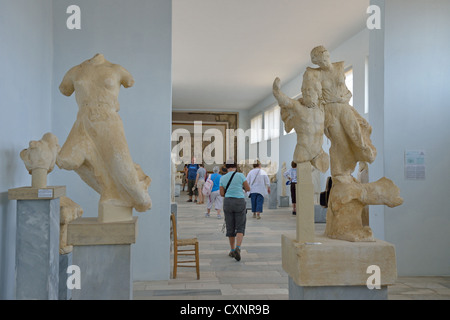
(207,187)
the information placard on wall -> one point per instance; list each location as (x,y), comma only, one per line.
(415,164)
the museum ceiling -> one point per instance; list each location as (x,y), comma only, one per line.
(226,54)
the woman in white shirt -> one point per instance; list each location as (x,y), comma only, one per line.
(259,188)
(291,175)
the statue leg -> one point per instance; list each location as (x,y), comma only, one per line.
(347,203)
(382,191)
(344,213)
(321,161)
(73,152)
(356,128)
(129,183)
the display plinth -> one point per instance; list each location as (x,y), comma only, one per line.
(65,260)
(320,214)
(112,213)
(284,201)
(37,242)
(337,269)
(273,201)
(102,251)
(177,190)
(30,193)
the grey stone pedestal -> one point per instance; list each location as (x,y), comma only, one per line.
(273,201)
(335,292)
(174,208)
(284,201)
(65,260)
(320,214)
(102,251)
(37,242)
(105,272)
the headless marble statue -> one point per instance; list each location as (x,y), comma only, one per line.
(96,148)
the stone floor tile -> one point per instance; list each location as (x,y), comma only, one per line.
(259,275)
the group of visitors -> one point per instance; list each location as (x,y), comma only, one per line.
(229,190)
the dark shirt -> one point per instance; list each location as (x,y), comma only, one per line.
(192,171)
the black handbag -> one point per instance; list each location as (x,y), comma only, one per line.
(326,194)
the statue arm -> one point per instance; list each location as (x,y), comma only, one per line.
(283,100)
(346,93)
(126,79)
(66,87)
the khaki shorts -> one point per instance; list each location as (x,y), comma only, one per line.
(200,184)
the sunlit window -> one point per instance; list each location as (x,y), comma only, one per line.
(272,123)
(256,129)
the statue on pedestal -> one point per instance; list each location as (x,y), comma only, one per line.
(325,109)
(96,148)
(40,159)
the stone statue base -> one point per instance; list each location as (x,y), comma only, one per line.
(273,203)
(284,201)
(337,269)
(320,214)
(113,213)
(32,193)
(103,253)
(65,260)
(177,190)
(335,292)
(37,242)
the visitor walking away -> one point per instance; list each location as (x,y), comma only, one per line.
(259,188)
(199,182)
(215,197)
(291,175)
(232,186)
(191,176)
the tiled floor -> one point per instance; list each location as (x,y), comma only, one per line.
(259,275)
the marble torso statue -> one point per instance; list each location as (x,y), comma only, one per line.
(96,147)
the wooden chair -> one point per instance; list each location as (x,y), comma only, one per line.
(184,252)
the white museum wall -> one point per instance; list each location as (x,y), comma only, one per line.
(25,106)
(414,114)
(136,35)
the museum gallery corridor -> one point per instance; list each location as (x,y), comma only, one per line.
(259,275)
